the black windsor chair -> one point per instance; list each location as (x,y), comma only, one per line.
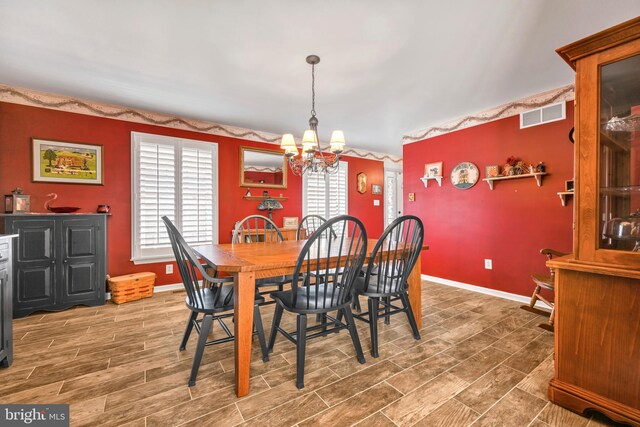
(213,299)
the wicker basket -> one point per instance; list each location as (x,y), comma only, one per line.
(131,287)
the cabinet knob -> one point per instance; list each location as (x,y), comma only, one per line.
(53,261)
(64,261)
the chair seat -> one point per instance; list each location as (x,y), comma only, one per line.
(224,302)
(307,304)
(544,281)
(374,289)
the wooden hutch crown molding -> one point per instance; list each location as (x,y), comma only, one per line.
(598,42)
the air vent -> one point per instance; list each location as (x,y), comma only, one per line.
(539,116)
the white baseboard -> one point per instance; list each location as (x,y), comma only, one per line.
(162,288)
(486,291)
(167,288)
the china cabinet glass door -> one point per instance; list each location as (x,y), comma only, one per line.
(619,155)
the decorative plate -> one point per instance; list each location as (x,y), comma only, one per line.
(464,175)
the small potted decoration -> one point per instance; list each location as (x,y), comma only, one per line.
(510,166)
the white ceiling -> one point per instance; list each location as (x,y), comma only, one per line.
(387,67)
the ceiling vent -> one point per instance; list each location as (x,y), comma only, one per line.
(539,116)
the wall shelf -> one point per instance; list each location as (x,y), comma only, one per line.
(425,180)
(564,195)
(281,199)
(537,175)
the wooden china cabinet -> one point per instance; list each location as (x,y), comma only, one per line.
(597,338)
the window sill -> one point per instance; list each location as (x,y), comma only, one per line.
(153,260)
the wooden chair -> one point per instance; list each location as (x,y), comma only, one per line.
(385,278)
(314,292)
(213,299)
(308,226)
(546,283)
(255,229)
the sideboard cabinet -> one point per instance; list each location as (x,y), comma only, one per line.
(60,260)
(6,304)
(597,325)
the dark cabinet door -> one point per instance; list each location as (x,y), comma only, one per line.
(36,269)
(5,317)
(83,275)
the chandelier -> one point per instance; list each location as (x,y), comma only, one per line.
(311,157)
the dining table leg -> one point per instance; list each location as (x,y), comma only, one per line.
(244,298)
(415,292)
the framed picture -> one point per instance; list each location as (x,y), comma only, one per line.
(568,185)
(492,171)
(66,162)
(290,222)
(376,189)
(412,197)
(362,182)
(433,169)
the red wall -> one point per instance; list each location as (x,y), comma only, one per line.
(361,205)
(509,224)
(18,124)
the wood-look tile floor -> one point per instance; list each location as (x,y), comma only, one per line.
(481,361)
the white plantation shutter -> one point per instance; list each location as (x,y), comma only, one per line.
(177,178)
(316,194)
(197,194)
(338,192)
(325,195)
(157,193)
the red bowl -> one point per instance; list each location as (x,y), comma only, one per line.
(63,209)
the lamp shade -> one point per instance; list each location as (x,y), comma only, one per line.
(288,141)
(269,204)
(309,137)
(309,141)
(337,141)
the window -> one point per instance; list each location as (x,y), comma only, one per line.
(174,177)
(325,195)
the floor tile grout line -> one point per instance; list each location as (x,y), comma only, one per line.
(538,414)
(34,368)
(239,412)
(390,385)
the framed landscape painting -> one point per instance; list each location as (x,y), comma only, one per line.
(66,162)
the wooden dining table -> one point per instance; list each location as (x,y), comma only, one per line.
(248,262)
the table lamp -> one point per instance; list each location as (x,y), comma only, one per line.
(269,204)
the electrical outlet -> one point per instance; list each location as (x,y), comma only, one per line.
(488,264)
(376,202)
(168,269)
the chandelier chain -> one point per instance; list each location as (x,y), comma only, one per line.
(313,90)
